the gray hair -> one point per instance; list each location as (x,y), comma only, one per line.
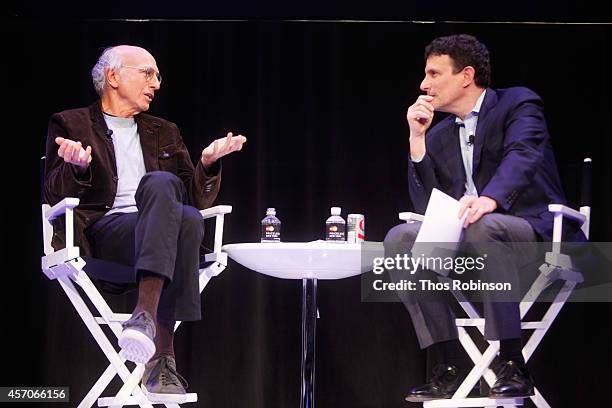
(110,59)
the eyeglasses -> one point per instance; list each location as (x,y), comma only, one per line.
(149,72)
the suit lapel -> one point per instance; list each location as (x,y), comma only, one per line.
(451,151)
(148,130)
(489,102)
(98,125)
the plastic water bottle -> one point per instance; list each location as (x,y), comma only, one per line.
(270,227)
(335,226)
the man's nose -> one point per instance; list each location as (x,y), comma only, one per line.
(425,84)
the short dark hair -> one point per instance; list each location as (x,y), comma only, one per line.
(464,50)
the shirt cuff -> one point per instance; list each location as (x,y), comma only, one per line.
(418,159)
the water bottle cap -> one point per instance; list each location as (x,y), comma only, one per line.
(270,211)
(336,210)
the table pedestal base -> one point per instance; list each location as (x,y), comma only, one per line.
(309,328)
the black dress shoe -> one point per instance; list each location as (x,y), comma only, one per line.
(513,381)
(445,381)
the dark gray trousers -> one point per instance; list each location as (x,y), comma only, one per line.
(434,320)
(163,238)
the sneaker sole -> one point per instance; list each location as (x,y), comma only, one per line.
(155,398)
(136,346)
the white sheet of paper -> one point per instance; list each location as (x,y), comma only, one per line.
(440,225)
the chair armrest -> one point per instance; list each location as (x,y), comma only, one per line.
(55,263)
(567,212)
(64,207)
(60,208)
(216,210)
(410,216)
(561,211)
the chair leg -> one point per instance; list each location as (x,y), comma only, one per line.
(208,273)
(549,318)
(128,387)
(98,301)
(472,350)
(107,348)
(539,400)
(544,279)
(548,275)
(130,393)
(99,387)
(144,401)
(473,402)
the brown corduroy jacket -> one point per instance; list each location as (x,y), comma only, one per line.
(162,148)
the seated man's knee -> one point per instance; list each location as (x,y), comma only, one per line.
(401,236)
(160,179)
(158,184)
(488,228)
(192,223)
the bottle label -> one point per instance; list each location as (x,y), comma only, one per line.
(335,231)
(270,232)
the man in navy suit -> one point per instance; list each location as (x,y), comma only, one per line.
(492,153)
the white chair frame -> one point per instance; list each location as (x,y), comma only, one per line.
(557,266)
(66,266)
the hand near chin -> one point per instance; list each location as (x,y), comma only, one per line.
(419,115)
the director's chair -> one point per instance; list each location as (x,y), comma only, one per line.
(557,267)
(67,266)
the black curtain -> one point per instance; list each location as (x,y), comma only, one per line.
(323,106)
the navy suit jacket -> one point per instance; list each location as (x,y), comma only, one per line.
(513,161)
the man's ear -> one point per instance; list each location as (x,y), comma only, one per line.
(468,75)
(112,77)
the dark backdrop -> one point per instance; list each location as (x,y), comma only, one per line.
(439,10)
(323,105)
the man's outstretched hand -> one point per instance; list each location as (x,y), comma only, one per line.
(72,152)
(221,147)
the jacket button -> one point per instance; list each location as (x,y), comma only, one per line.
(115,179)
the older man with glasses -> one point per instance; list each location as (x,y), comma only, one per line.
(139,198)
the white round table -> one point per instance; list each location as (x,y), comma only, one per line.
(308,261)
